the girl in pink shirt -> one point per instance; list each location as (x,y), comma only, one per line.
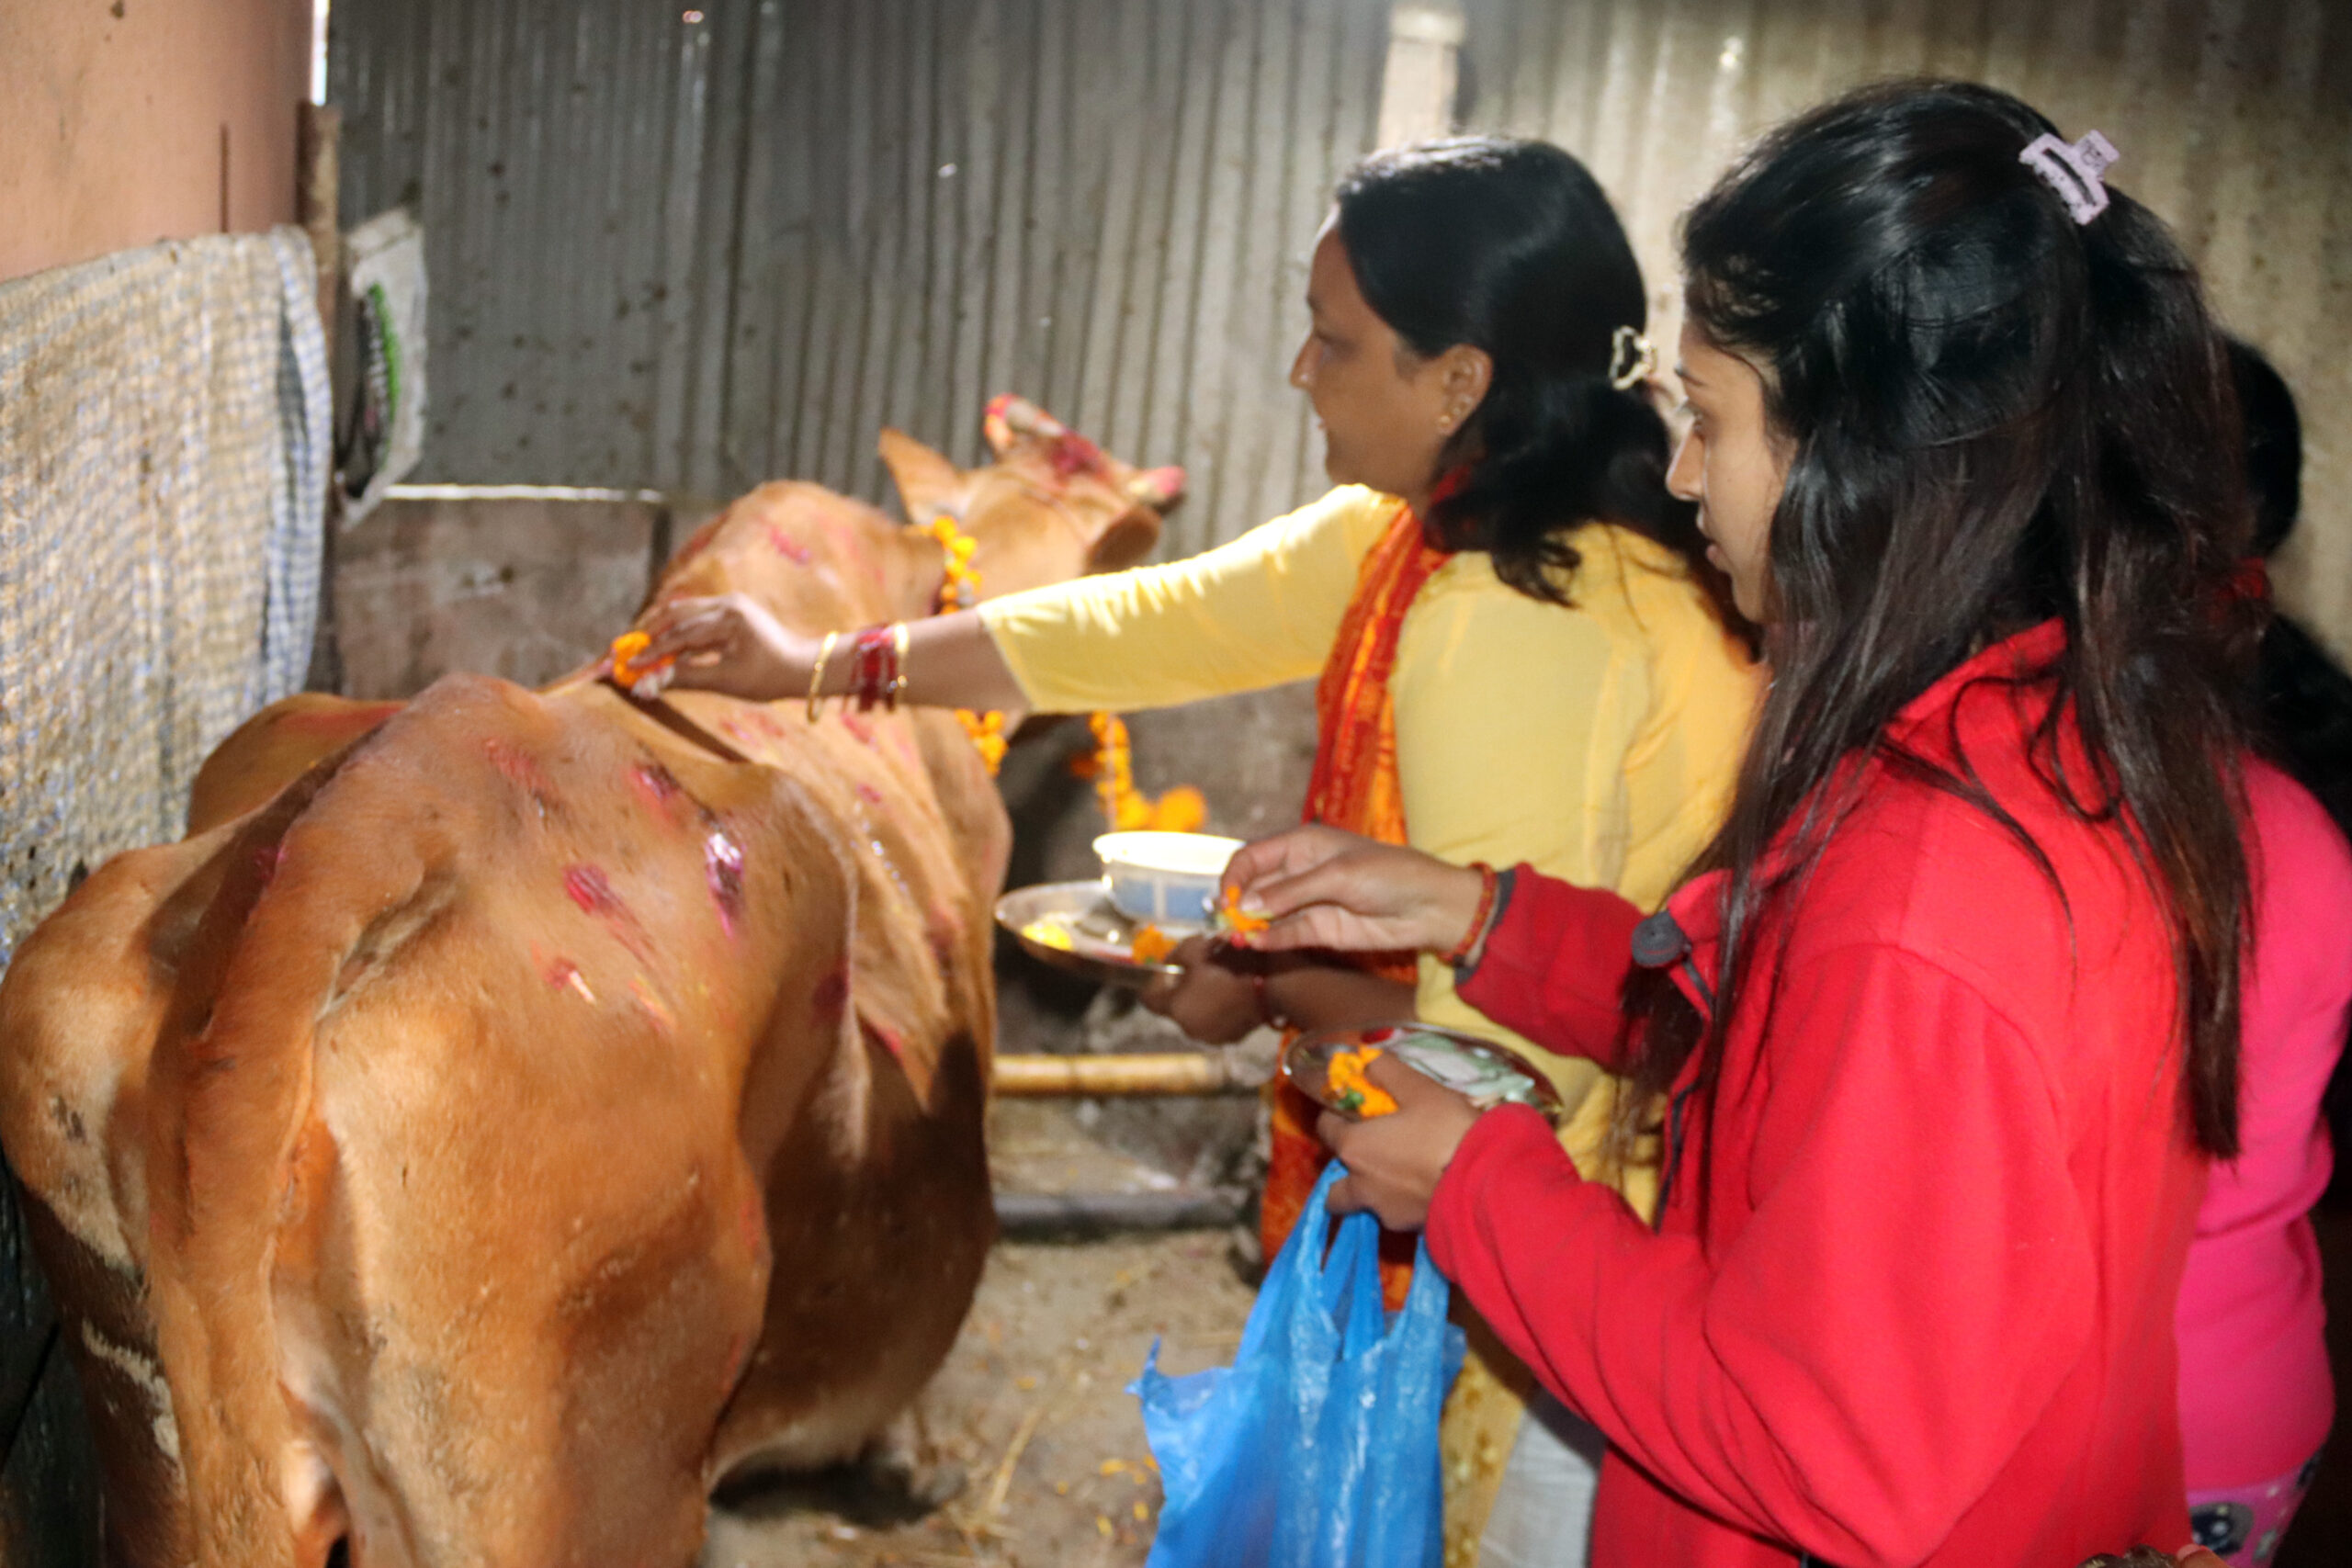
(2256,1397)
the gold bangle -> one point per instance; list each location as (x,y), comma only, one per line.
(816,674)
(899,670)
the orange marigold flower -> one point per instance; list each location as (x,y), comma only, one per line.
(1152,945)
(626,647)
(1351,1090)
(1239,922)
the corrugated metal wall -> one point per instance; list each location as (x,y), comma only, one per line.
(696,255)
(693,254)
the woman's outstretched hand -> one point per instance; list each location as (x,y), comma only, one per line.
(727,644)
(1393,1161)
(1321,888)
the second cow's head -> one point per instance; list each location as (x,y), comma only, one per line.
(1052,506)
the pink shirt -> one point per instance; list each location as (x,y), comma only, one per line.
(2255,1395)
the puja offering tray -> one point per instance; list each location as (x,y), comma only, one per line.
(1073,926)
(1328,1066)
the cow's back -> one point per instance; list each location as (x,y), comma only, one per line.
(504,1056)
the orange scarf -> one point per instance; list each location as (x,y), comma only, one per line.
(1354,786)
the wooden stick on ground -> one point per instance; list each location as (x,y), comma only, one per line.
(1156,1073)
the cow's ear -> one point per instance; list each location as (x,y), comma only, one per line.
(1128,540)
(928,483)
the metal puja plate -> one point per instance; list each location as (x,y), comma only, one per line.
(1480,1070)
(1073,926)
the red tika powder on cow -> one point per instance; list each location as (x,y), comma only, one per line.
(723,866)
(591,889)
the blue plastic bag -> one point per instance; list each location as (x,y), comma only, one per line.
(1317,1448)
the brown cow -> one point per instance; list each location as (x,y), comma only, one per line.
(507,1114)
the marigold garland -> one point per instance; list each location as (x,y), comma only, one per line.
(960,590)
(1127,808)
(986,733)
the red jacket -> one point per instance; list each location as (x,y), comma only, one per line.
(1926,1316)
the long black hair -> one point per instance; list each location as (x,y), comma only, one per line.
(1510,247)
(1996,416)
(2300,699)
(2301,696)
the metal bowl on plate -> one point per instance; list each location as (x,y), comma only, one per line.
(1169,879)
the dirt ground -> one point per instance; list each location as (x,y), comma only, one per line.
(1031,1403)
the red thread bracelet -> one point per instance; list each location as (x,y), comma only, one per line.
(1487,882)
(878,661)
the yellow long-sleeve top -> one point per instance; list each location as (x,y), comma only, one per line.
(1596,742)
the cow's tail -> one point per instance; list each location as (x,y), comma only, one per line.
(230,1098)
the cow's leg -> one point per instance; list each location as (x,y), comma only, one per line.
(879,1242)
(79,1009)
(103,1323)
(894,1465)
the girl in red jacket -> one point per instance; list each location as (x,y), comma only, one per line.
(1945,1025)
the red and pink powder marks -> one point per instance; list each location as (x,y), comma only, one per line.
(833,995)
(649,1002)
(562,975)
(589,887)
(944,927)
(518,767)
(655,786)
(1072,454)
(722,860)
(788,547)
(841,539)
(889,1039)
(521,770)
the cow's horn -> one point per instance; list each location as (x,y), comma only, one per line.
(1158,489)
(1028,419)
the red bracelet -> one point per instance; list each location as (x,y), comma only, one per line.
(877,664)
(1488,882)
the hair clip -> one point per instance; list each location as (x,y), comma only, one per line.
(1633,358)
(2073,172)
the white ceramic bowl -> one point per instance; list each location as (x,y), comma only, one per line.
(1169,879)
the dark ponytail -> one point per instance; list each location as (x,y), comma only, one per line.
(2301,701)
(2301,696)
(1510,247)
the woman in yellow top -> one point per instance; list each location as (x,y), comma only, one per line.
(1521,658)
